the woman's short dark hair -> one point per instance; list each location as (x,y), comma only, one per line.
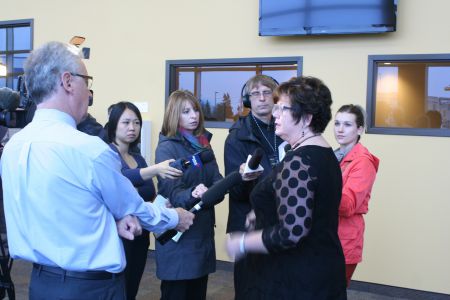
(116,112)
(308,95)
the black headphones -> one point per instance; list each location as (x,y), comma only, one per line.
(246,96)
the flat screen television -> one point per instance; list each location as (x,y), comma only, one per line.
(319,17)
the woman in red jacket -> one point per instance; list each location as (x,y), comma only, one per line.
(359,168)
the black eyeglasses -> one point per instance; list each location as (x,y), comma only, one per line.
(88,79)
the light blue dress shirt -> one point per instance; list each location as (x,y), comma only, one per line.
(63,191)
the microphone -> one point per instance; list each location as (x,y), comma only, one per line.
(196,160)
(287,147)
(257,155)
(216,192)
(283,148)
(253,162)
(214,195)
(91,97)
(9,99)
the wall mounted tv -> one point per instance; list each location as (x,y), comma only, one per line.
(318,17)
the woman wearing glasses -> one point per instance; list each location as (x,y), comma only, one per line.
(293,251)
(359,169)
(124,132)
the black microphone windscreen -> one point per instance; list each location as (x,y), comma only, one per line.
(196,160)
(287,147)
(9,99)
(206,156)
(217,191)
(211,197)
(254,161)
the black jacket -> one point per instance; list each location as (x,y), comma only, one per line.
(90,126)
(242,141)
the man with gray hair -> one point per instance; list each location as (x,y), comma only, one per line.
(66,201)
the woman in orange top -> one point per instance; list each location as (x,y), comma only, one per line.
(359,168)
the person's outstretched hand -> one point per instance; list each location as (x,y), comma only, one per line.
(248,176)
(232,245)
(166,171)
(199,190)
(185,219)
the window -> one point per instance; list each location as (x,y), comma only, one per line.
(16,42)
(409,94)
(218,83)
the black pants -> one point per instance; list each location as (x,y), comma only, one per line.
(239,278)
(191,289)
(48,286)
(136,254)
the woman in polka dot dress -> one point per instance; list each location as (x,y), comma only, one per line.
(293,248)
(359,169)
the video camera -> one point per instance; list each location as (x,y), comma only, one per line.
(16,108)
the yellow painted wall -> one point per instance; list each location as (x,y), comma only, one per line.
(407,237)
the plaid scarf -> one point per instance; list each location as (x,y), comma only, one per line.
(197,142)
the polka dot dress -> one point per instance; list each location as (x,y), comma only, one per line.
(294,190)
(296,208)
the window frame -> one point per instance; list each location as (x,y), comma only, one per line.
(10,52)
(172,65)
(373,61)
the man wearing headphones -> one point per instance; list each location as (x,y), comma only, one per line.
(256,130)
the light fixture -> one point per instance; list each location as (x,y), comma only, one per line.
(3,70)
(77,41)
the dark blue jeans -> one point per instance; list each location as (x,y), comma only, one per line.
(48,286)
